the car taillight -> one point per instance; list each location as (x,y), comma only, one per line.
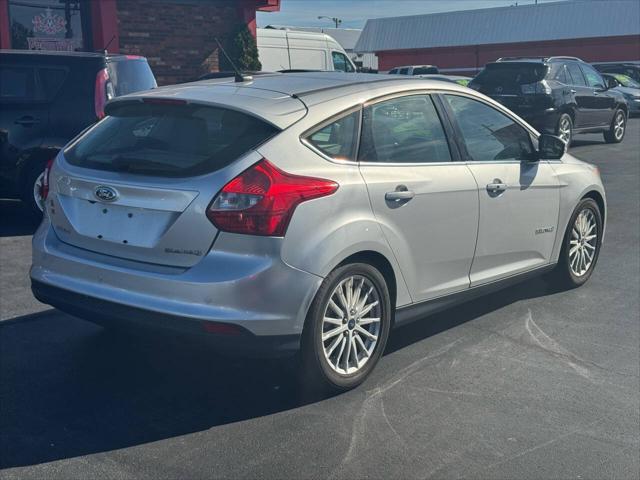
(103,92)
(262,199)
(44,188)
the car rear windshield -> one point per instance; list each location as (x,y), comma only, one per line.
(510,75)
(128,76)
(168,140)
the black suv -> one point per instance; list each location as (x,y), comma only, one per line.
(629,69)
(557,95)
(46,99)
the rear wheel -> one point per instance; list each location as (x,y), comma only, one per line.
(32,187)
(618,127)
(346,330)
(581,246)
(564,129)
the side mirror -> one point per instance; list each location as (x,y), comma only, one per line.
(551,147)
(611,82)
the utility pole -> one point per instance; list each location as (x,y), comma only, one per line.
(335,20)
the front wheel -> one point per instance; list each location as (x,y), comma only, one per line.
(618,127)
(346,329)
(581,246)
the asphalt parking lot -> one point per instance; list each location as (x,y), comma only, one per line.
(526,383)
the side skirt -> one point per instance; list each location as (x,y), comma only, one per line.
(417,311)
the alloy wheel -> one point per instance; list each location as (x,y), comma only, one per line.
(583,243)
(564,130)
(351,324)
(37,191)
(618,126)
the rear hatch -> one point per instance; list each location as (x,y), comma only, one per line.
(506,78)
(137,184)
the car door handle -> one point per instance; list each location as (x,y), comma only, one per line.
(27,121)
(496,186)
(401,194)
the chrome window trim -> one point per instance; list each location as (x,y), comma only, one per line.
(303,137)
(415,91)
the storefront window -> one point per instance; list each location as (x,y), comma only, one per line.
(49,25)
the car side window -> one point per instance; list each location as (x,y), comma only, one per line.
(340,62)
(593,77)
(561,75)
(576,75)
(337,139)
(403,130)
(488,134)
(404,71)
(18,84)
(51,80)
(393,71)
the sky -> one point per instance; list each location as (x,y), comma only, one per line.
(354,13)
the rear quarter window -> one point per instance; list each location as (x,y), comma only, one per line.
(168,140)
(129,76)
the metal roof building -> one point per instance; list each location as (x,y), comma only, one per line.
(595,30)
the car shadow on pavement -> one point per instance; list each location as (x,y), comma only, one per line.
(69,388)
(16,219)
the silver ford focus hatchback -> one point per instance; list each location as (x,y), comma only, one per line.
(308,213)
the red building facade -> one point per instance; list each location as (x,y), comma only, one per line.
(470,59)
(177,36)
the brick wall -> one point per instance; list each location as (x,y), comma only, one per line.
(178,38)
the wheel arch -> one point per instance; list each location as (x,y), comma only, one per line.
(382,264)
(31,156)
(599,199)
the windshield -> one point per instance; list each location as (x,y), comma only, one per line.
(626,81)
(168,140)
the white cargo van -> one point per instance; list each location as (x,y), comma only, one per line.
(282,49)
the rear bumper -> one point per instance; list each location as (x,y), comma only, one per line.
(242,342)
(242,282)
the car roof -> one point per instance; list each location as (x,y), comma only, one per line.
(282,98)
(52,53)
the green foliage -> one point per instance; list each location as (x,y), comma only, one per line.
(241,47)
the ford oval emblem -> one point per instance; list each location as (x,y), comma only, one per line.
(106,194)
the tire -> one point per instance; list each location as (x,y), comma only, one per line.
(564,128)
(30,185)
(319,372)
(569,273)
(617,129)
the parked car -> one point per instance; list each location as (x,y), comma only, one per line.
(628,87)
(308,213)
(559,95)
(46,99)
(414,70)
(282,49)
(629,69)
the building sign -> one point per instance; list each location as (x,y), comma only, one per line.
(47,24)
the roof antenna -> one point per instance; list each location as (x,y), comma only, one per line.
(239,77)
(106,47)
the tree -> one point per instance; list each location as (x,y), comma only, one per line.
(242,49)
